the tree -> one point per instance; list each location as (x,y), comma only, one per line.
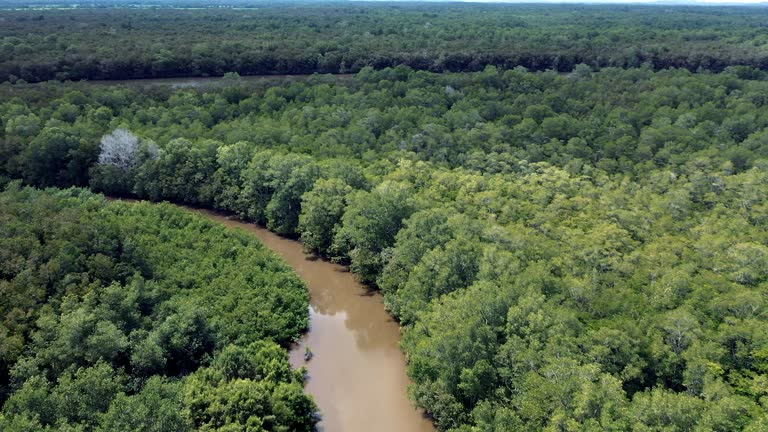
(321,211)
(156,408)
(369,225)
(252,387)
(663,409)
(284,208)
(423,231)
(82,396)
(257,187)
(232,161)
(120,149)
(442,270)
(181,172)
(57,157)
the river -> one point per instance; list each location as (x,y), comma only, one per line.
(203,82)
(357,374)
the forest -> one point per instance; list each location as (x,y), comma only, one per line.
(140,317)
(584,251)
(288,38)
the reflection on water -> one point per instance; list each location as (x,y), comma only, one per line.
(357,375)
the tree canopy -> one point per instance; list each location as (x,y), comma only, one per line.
(123,317)
(582,251)
(198,38)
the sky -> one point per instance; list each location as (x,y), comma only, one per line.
(627,1)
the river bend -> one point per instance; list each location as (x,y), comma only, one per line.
(357,373)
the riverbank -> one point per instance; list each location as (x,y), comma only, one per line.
(357,373)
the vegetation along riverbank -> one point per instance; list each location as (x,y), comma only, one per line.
(563,207)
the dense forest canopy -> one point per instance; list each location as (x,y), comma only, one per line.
(127,317)
(618,121)
(582,251)
(119,43)
(564,207)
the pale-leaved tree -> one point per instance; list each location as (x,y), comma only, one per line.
(120,149)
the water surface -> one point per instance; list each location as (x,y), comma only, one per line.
(357,374)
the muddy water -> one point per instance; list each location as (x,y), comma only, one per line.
(357,374)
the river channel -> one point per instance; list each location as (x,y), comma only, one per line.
(357,374)
(204,82)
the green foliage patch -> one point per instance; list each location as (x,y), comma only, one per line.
(133,316)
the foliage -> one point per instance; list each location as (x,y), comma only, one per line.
(113,311)
(322,210)
(564,252)
(200,39)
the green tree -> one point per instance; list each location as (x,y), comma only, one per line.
(369,225)
(321,211)
(57,157)
(156,408)
(284,209)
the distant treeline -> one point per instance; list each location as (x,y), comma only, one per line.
(124,43)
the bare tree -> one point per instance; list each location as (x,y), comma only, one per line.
(120,149)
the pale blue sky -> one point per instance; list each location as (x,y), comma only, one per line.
(625,1)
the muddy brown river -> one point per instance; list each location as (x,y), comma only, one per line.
(357,374)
